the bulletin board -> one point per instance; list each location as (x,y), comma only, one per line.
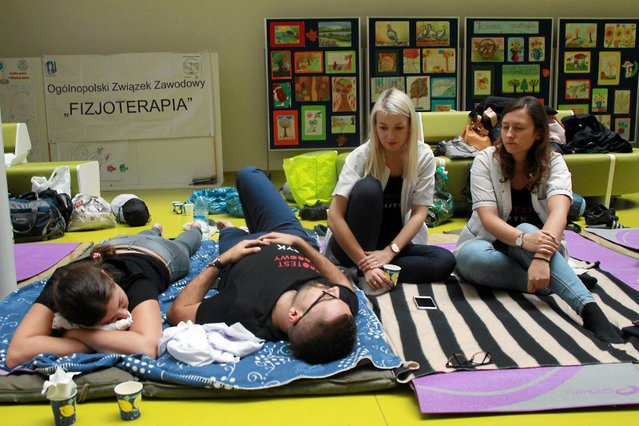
(418,56)
(509,57)
(313,77)
(597,66)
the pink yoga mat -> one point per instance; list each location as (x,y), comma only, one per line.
(35,258)
(530,389)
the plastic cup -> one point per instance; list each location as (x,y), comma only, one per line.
(189,209)
(129,398)
(64,410)
(392,272)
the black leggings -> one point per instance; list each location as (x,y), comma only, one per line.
(420,263)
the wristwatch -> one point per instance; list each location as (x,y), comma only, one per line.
(394,247)
(519,242)
(215,263)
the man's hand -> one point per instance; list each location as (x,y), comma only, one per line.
(279,238)
(241,249)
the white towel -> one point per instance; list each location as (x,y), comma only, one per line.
(198,345)
(123,324)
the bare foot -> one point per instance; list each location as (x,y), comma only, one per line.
(221,224)
(158,226)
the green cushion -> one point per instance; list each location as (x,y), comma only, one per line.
(443,125)
(626,180)
(589,173)
(9,131)
(19,176)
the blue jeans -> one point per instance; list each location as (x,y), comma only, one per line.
(176,253)
(480,262)
(264,211)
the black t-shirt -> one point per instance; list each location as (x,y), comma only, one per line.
(141,277)
(523,211)
(250,288)
(392,221)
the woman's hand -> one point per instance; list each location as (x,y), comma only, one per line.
(374,259)
(538,275)
(542,242)
(376,279)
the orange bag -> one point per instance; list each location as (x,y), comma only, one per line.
(475,135)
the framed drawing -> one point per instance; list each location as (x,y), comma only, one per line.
(313,122)
(286,34)
(285,125)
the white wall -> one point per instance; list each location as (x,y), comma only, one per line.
(234,29)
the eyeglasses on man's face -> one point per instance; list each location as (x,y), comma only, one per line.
(324,296)
(459,361)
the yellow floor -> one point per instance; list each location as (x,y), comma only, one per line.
(393,407)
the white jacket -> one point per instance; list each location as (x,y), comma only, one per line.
(488,189)
(419,193)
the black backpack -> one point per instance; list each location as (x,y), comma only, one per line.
(35,219)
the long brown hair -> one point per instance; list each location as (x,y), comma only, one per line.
(538,157)
(82,292)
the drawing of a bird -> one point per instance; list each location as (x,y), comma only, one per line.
(392,35)
(425,34)
(429,34)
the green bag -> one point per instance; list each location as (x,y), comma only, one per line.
(311,177)
(443,205)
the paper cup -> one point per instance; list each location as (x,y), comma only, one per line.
(64,410)
(178,207)
(392,272)
(129,398)
(188,209)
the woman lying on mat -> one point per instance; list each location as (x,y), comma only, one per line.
(521,193)
(107,302)
(381,200)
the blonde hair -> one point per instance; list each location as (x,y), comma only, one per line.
(394,101)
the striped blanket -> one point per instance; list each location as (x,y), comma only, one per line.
(518,330)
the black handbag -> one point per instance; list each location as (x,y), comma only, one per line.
(35,219)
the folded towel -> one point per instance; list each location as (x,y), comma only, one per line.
(199,345)
(61,322)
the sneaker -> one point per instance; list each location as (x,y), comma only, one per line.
(600,215)
(315,212)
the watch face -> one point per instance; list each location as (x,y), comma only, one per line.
(395,248)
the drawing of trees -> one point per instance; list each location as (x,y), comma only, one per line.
(514,83)
(524,85)
(534,83)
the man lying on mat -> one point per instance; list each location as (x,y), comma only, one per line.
(106,302)
(273,280)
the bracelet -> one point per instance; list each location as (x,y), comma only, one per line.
(217,263)
(541,258)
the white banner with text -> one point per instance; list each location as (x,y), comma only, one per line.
(128,96)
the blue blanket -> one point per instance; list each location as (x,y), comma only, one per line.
(272,366)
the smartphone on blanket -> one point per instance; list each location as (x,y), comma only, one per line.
(424,302)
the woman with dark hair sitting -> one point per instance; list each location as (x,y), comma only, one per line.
(108,301)
(521,196)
